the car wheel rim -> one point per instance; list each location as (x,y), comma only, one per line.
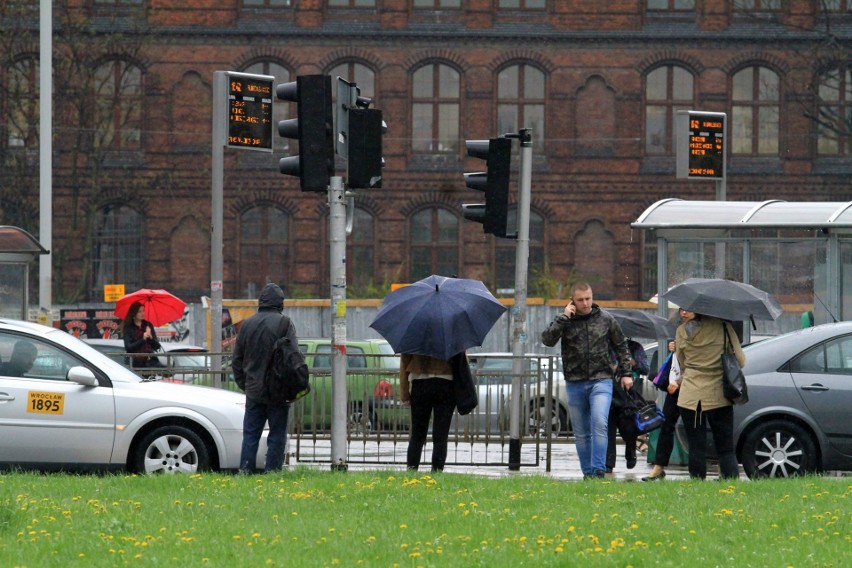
(779,456)
(360,423)
(537,423)
(171,454)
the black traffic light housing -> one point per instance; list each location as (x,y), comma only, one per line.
(314,165)
(493,214)
(365,161)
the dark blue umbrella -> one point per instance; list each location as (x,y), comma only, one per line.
(438,316)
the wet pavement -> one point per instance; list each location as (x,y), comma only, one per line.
(486,460)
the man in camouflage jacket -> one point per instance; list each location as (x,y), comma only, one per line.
(589,335)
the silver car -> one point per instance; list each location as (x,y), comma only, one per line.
(181,363)
(75,408)
(494,376)
(799,416)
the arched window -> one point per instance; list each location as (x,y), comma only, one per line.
(280,109)
(118,106)
(264,249)
(117,254)
(834,120)
(667,89)
(22,96)
(520,101)
(755,96)
(359,74)
(434,238)
(435,109)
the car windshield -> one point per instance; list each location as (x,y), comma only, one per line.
(390,359)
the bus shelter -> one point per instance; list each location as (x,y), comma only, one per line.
(801,252)
(18,250)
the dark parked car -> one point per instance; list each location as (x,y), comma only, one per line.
(799,416)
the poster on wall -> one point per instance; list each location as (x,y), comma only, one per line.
(90,323)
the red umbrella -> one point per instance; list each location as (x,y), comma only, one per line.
(161,307)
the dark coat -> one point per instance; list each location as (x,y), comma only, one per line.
(134,342)
(587,342)
(255,340)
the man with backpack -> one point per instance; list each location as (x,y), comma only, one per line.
(252,353)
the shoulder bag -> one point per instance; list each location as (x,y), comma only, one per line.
(734,385)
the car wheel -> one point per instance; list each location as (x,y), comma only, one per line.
(778,449)
(171,449)
(362,423)
(538,421)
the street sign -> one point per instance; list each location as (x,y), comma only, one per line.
(250,111)
(700,141)
(113,292)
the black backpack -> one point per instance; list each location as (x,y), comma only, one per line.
(287,373)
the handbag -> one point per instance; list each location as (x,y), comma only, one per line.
(734,386)
(649,418)
(465,391)
(661,381)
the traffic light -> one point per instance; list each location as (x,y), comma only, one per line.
(365,162)
(312,128)
(495,183)
(359,137)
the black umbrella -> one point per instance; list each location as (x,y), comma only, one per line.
(636,323)
(725,299)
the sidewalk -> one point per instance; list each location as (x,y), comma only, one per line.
(565,464)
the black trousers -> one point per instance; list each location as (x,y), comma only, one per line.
(665,441)
(430,396)
(721,421)
(628,437)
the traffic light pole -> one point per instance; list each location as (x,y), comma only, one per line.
(337,263)
(519,310)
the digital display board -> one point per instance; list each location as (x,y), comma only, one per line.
(250,111)
(700,144)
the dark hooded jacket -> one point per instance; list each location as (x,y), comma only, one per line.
(587,345)
(255,340)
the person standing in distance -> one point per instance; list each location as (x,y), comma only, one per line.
(252,353)
(588,335)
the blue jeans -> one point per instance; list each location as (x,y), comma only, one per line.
(588,403)
(257,414)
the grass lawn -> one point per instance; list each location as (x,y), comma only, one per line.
(305,517)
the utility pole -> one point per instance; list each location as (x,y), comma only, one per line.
(337,258)
(519,310)
(45,160)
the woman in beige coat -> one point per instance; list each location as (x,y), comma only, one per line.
(700,341)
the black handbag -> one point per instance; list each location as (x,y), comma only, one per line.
(734,386)
(466,396)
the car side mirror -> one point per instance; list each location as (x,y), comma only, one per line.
(82,376)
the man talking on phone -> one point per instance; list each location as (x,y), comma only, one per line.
(589,335)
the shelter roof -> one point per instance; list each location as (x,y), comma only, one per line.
(683,214)
(17,240)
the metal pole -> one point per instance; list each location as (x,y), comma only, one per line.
(519,310)
(337,263)
(220,94)
(45,273)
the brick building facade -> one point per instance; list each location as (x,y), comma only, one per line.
(597,82)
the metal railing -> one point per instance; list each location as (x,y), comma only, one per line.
(378,422)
